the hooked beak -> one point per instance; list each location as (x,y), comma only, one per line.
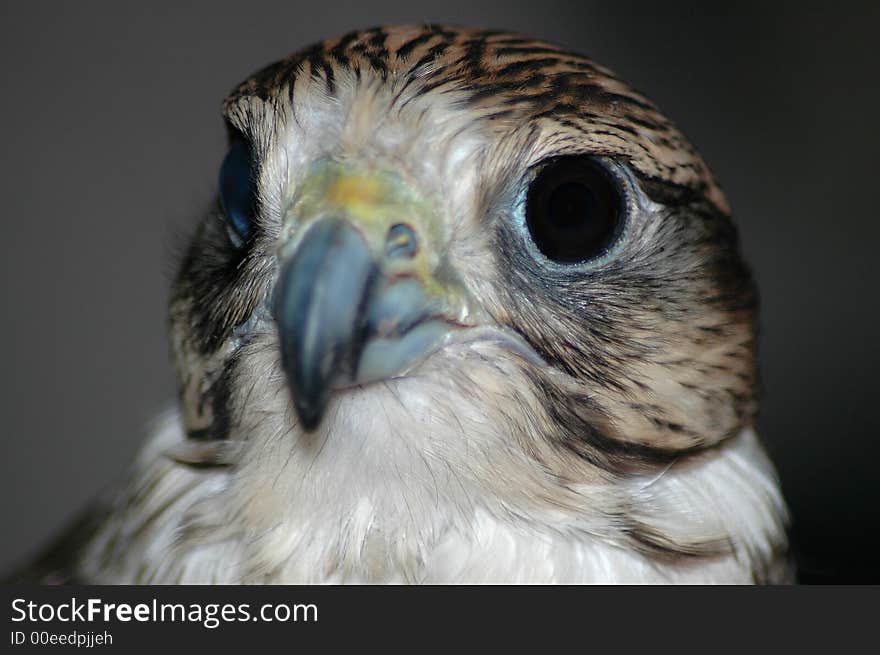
(358,298)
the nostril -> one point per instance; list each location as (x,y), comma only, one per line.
(401,242)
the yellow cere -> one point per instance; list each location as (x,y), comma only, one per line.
(354,191)
(374,199)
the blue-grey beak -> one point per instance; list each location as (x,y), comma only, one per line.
(319,306)
(347,316)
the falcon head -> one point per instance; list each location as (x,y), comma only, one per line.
(458,268)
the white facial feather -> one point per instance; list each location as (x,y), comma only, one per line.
(418,483)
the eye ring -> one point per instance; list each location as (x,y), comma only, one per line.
(238,191)
(574,209)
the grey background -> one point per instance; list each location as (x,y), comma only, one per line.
(112,138)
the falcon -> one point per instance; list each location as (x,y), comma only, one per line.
(468,308)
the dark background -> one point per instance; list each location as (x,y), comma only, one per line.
(112,136)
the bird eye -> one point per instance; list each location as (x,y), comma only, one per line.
(238,193)
(574,209)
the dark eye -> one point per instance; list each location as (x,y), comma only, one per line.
(573,209)
(238,193)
